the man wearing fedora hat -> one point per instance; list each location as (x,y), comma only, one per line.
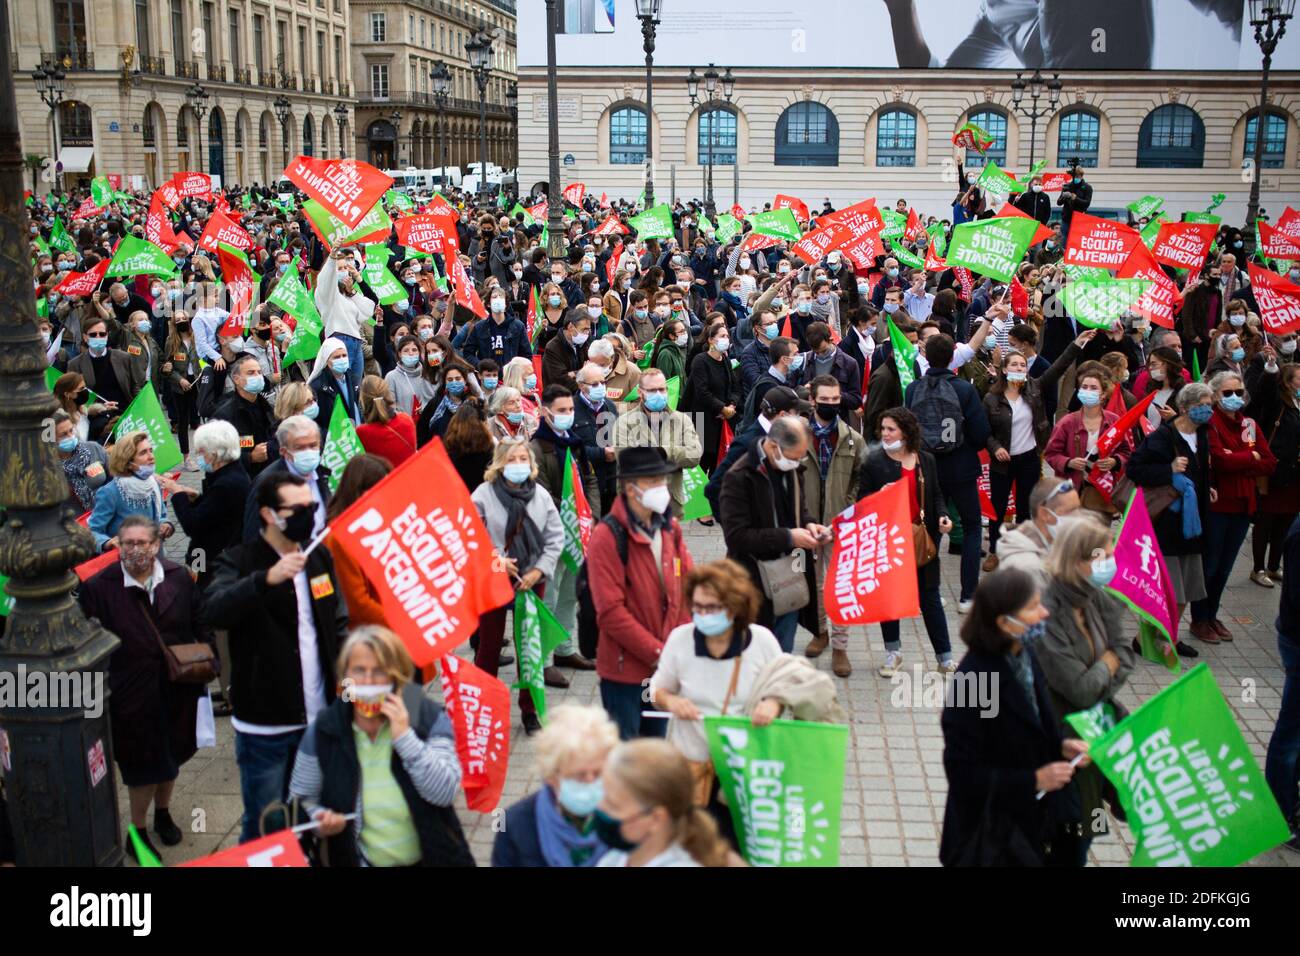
(651,424)
(636,560)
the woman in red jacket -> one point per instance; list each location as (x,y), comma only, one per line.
(1239,454)
(386,432)
(639,600)
(1071,449)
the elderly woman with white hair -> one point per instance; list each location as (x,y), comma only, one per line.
(552,827)
(208,516)
(621,373)
(521,375)
(507,417)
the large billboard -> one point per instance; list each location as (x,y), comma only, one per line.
(952,34)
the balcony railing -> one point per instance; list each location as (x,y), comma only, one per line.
(188,68)
(309,84)
(217,71)
(268,78)
(153,65)
(243,76)
(345,89)
(69,59)
(288,81)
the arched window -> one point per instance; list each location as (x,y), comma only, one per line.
(993,122)
(896,138)
(1173,137)
(807,134)
(717,137)
(1274,140)
(75,127)
(1079,137)
(308,136)
(627,136)
(182,130)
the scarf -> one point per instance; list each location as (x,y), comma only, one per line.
(141,495)
(568,440)
(562,845)
(523,538)
(1187,506)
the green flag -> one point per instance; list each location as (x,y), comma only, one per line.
(1216,201)
(341,444)
(784,784)
(1149,232)
(656,223)
(52,375)
(995,180)
(136,256)
(1035,169)
(144,856)
(1201,217)
(904,354)
(674,385)
(60,239)
(146,414)
(528,216)
(292,296)
(246,200)
(43,308)
(1084,273)
(399,199)
(706,225)
(1146,206)
(1098,719)
(906,256)
(697,505)
(938,239)
(6,601)
(572,516)
(1153,643)
(728,226)
(992,247)
(120,197)
(42,247)
(379,277)
(537,634)
(439,279)
(334,232)
(1098,304)
(778,223)
(649,349)
(101,193)
(895,224)
(1196,366)
(1189,784)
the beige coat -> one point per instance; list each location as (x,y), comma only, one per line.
(673,432)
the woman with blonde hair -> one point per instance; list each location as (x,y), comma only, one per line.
(552,827)
(377,769)
(295,398)
(648,816)
(624,373)
(134,490)
(384,431)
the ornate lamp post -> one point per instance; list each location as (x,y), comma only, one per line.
(1031,110)
(441,77)
(647,11)
(49,80)
(395,117)
(1269,18)
(479,48)
(282,108)
(197,98)
(512,104)
(711,78)
(60,784)
(554,199)
(341,115)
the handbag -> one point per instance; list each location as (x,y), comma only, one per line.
(1159,499)
(194,663)
(923,546)
(703,771)
(785,587)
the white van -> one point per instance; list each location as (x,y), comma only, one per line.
(414,180)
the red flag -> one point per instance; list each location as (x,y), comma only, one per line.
(798,206)
(1289,223)
(963,275)
(1010,211)
(348,188)
(466,294)
(866,377)
(277,849)
(1160,301)
(539,211)
(1183,245)
(611,265)
(914,229)
(755,241)
(738,211)
(88,569)
(190,184)
(530,321)
(932,262)
(417,535)
(1110,439)
(574,193)
(863,251)
(725,438)
(220,229)
(83,283)
(239,280)
(1277,244)
(1278,300)
(862,217)
(171,196)
(1052,182)
(478,706)
(429,232)
(787,329)
(1019,299)
(872,572)
(157,228)
(814,245)
(1102,243)
(604,201)
(87,210)
(986,497)
(415,408)
(610,226)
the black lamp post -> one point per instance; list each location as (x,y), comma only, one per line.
(1035,85)
(441,77)
(341,114)
(49,81)
(554,199)
(479,48)
(282,108)
(512,104)
(711,78)
(1269,18)
(647,11)
(395,117)
(197,97)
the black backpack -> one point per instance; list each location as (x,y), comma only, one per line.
(938,411)
(588,632)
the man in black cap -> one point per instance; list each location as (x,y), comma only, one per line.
(778,401)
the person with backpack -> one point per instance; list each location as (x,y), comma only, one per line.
(632,579)
(954,427)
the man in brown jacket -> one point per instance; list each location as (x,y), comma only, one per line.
(567,352)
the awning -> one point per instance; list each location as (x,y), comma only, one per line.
(77,159)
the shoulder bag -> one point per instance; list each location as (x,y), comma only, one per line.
(923,545)
(194,663)
(784,586)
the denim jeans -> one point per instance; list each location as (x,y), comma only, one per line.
(784,627)
(356,360)
(624,704)
(1224,536)
(965,497)
(264,762)
(936,624)
(1282,765)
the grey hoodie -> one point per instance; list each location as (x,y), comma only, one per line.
(1024,547)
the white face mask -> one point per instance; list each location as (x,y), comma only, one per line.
(656,499)
(892,445)
(785,464)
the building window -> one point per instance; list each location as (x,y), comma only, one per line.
(1274,140)
(259,44)
(717,137)
(896,138)
(338,58)
(143,47)
(282,43)
(422,29)
(179,46)
(993,122)
(1079,138)
(807,134)
(627,136)
(209,34)
(320,54)
(1172,137)
(303,63)
(379,81)
(308,136)
(70,30)
(410,26)
(182,131)
(378,26)
(236,60)
(75,127)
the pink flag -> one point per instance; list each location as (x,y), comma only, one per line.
(1141,579)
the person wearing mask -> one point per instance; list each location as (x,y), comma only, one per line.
(567,352)
(555,307)
(825,359)
(713,392)
(1076,196)
(786,361)
(594,416)
(507,418)
(832,469)
(521,375)
(330,380)
(133,490)
(411,391)
(997,760)
(553,826)
(204,515)
(1164,374)
(1025,546)
(247,409)
(180,369)
(755,359)
(622,375)
(651,424)
(286,623)
(859,342)
(121,303)
(1072,449)
(553,443)
(616,300)
(765,516)
(209,317)
(825,304)
(501,338)
(670,344)
(107,372)
(527,538)
(1229,356)
(142,350)
(1277,410)
(344,310)
(732,304)
(1083,654)
(636,560)
(1035,203)
(1239,454)
(260,346)
(72,397)
(215,381)
(146,600)
(892,279)
(638,325)
(85,463)
(299,442)
(294,398)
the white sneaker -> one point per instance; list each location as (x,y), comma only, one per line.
(963,606)
(893,660)
(946,667)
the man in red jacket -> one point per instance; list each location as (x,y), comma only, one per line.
(637,600)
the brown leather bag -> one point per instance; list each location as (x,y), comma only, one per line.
(702,771)
(194,663)
(923,546)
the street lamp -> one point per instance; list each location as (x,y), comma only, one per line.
(647,11)
(341,114)
(711,78)
(554,202)
(1035,85)
(60,779)
(197,97)
(282,108)
(512,104)
(1269,18)
(441,77)
(49,79)
(479,48)
(395,117)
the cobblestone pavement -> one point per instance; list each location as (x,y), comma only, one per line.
(894,788)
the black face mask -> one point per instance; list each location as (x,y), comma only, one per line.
(610,831)
(182,327)
(263,334)
(827,412)
(81,397)
(299,525)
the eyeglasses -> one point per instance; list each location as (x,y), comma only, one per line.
(707,608)
(135,545)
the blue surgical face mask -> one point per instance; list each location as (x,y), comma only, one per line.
(311,411)
(555,301)
(804,307)
(580,799)
(796,363)
(711,625)
(254,384)
(517,472)
(339,366)
(68,445)
(891,307)
(1238,354)
(1232,403)
(144,326)
(893,273)
(1088,398)
(411,361)
(489,382)
(205,466)
(456,387)
(597,392)
(1103,571)
(863,288)
(306,461)
(98,346)
(641,313)
(564,422)
(1200,414)
(656,401)
(1032,632)
(771,330)
(530,382)
(144,471)
(514,418)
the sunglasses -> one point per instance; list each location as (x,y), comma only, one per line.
(1061,489)
(1240,392)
